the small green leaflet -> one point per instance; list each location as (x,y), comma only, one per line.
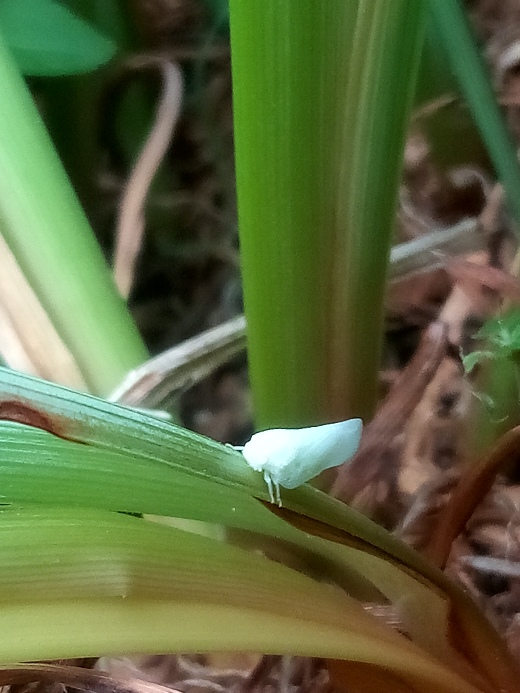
(291,457)
(502,337)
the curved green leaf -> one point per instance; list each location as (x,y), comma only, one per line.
(94,582)
(48,40)
(123,459)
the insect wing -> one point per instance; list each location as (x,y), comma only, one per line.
(293,456)
(318,448)
(337,442)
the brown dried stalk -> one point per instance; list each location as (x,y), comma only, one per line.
(182,366)
(130,225)
(392,415)
(475,483)
(28,339)
(78,678)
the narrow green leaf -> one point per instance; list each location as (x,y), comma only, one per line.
(121,438)
(136,435)
(191,476)
(49,235)
(468,66)
(471,360)
(80,583)
(48,40)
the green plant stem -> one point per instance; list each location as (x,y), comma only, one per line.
(47,231)
(321,99)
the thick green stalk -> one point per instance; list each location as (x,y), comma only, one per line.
(321,100)
(47,231)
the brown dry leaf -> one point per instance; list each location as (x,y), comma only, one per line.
(467,308)
(28,339)
(358,677)
(415,300)
(472,277)
(485,558)
(468,494)
(213,670)
(370,461)
(434,432)
(432,436)
(77,678)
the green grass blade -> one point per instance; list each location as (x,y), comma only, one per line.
(125,459)
(107,582)
(97,433)
(47,39)
(48,233)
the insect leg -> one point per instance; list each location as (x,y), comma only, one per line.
(269,482)
(277,493)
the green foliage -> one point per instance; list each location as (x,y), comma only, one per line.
(495,407)
(219,15)
(47,39)
(47,231)
(502,335)
(77,578)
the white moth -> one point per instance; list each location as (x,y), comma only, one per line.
(289,457)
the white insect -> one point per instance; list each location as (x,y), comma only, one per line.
(290,457)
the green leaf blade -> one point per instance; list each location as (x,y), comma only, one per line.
(48,40)
(83,583)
